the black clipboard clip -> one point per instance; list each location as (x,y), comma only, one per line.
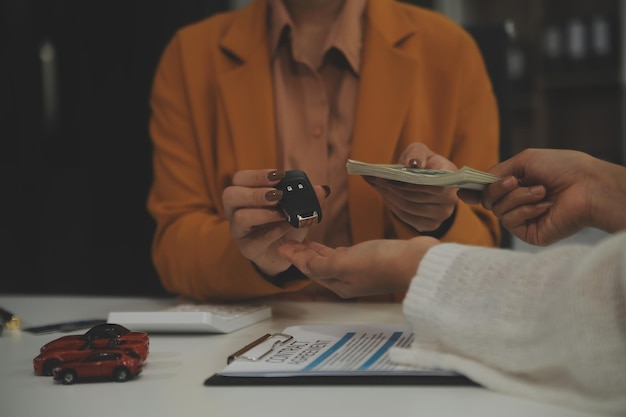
(241,353)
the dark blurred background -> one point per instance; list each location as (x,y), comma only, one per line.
(75,77)
(75,153)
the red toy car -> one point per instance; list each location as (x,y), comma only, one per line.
(106,335)
(49,359)
(115,364)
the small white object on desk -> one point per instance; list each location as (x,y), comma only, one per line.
(193,318)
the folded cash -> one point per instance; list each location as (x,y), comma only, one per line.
(465,177)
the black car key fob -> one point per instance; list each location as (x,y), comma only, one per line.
(299,202)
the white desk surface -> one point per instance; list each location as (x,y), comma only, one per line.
(171,383)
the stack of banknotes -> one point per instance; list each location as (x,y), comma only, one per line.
(465,177)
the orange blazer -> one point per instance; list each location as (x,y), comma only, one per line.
(422,80)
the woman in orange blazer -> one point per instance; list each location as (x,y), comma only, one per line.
(421,79)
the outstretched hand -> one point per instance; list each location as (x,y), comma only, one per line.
(544,196)
(257,225)
(368,268)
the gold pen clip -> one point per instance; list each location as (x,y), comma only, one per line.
(241,353)
(13,324)
(9,320)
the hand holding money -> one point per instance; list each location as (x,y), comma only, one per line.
(466,177)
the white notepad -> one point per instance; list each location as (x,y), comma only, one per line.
(193,318)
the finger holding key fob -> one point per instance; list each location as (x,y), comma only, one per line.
(299,203)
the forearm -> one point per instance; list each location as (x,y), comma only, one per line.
(472,225)
(608,197)
(197,258)
(512,316)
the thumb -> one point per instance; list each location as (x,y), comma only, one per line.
(322,192)
(415,155)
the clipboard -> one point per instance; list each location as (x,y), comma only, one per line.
(431,380)
(329,355)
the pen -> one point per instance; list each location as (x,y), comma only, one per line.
(247,348)
(9,320)
(240,354)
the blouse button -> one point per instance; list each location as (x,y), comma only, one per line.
(317,132)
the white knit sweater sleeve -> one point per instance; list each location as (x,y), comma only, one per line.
(549,325)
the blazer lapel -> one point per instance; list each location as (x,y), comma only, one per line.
(384,97)
(386,84)
(246,89)
(385,94)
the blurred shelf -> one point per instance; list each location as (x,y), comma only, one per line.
(582,79)
(565,69)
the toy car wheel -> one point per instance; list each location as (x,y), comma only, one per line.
(49,365)
(68,377)
(121,375)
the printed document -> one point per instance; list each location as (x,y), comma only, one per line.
(322,350)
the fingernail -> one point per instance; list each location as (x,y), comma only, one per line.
(326,189)
(273,195)
(415,163)
(276,175)
(510,182)
(536,190)
(544,205)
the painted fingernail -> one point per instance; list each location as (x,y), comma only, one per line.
(276,174)
(273,195)
(415,163)
(326,189)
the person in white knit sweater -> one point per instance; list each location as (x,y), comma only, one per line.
(549,326)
